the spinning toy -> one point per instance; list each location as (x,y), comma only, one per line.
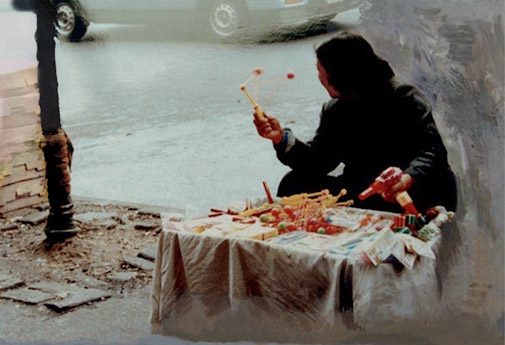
(252,80)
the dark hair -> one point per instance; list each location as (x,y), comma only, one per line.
(352,65)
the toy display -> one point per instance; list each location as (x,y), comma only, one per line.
(322,222)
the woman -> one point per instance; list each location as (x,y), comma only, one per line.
(372,122)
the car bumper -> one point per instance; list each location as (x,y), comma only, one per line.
(279,13)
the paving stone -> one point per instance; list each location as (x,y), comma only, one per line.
(92,216)
(146,226)
(140,263)
(53,287)
(43,207)
(35,218)
(149,253)
(55,296)
(123,276)
(8,282)
(27,295)
(9,226)
(76,298)
(107,223)
(92,283)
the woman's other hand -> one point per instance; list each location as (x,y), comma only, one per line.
(392,191)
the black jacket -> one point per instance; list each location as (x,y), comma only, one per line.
(371,133)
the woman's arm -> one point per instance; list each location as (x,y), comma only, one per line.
(430,155)
(317,155)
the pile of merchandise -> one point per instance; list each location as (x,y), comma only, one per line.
(320,222)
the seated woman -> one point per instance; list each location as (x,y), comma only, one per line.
(372,122)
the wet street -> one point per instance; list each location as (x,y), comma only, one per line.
(159,118)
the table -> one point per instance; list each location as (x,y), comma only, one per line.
(212,288)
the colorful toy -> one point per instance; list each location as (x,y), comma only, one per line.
(324,196)
(387,178)
(267,191)
(406,202)
(306,212)
(256,72)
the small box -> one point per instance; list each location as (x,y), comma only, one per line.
(257,232)
(381,245)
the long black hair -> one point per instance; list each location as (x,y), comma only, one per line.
(352,65)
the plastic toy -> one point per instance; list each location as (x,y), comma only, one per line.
(256,72)
(406,202)
(387,178)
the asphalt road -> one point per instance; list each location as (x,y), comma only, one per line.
(159,118)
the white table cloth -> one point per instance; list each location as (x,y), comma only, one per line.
(211,288)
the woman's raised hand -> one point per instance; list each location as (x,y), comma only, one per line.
(268,127)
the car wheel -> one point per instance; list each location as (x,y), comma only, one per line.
(225,18)
(71,22)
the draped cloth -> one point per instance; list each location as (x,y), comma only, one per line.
(211,288)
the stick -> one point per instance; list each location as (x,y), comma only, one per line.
(267,190)
(253,102)
(256,71)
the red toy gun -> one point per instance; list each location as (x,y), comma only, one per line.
(388,177)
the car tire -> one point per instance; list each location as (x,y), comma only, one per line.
(225,19)
(71,21)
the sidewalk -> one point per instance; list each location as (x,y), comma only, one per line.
(93,288)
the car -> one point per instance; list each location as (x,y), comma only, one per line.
(219,19)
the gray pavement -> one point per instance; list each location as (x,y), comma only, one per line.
(113,310)
(78,308)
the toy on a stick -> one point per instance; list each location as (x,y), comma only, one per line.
(251,80)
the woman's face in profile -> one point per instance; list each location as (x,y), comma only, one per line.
(324,78)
